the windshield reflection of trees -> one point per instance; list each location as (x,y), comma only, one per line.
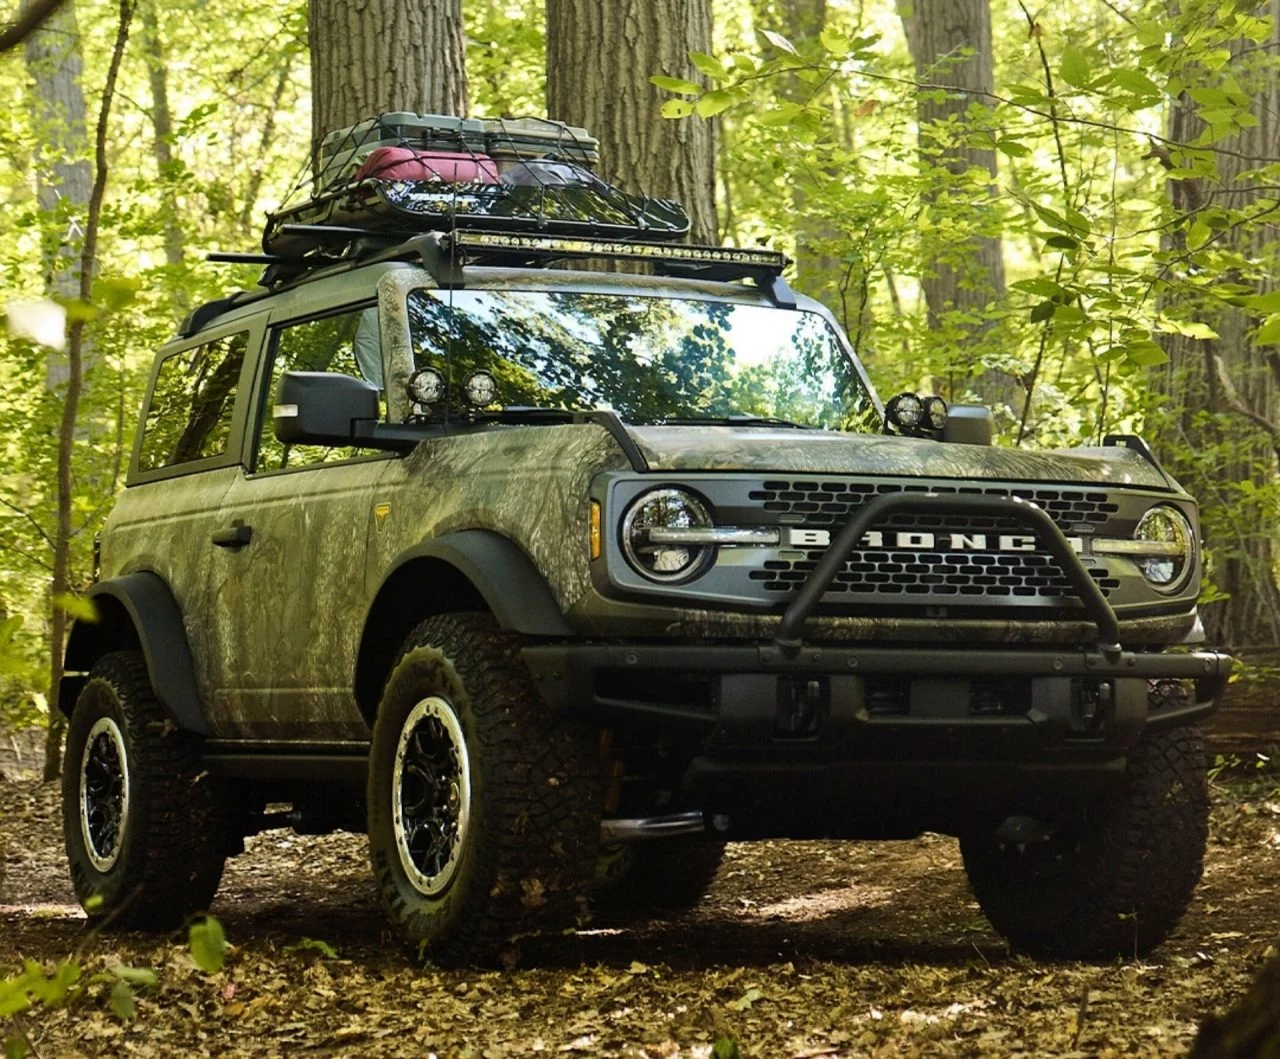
(649,359)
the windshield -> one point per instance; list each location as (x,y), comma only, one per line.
(650,359)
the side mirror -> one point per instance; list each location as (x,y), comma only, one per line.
(969,424)
(322,408)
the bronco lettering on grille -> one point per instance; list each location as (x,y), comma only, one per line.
(923,541)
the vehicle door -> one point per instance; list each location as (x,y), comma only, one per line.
(187,452)
(291,598)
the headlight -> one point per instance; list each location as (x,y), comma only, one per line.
(1171,546)
(666,509)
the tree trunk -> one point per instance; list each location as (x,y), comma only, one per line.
(939,33)
(384,55)
(600,57)
(1240,525)
(1251,1028)
(162,133)
(63,178)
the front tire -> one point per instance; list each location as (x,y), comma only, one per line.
(483,804)
(1111,880)
(145,840)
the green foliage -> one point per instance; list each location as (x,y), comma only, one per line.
(208,942)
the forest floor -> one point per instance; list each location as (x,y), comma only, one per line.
(801,949)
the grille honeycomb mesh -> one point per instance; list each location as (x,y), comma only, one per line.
(974,576)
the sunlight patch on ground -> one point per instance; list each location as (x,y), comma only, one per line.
(825,903)
(43,911)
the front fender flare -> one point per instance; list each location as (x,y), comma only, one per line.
(138,612)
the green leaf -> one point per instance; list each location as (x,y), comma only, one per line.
(1269,333)
(725,1048)
(707,64)
(122,1001)
(313,945)
(744,1002)
(79,608)
(1263,303)
(1075,67)
(714,102)
(782,114)
(779,41)
(16,1048)
(1012,148)
(676,84)
(139,976)
(1041,285)
(676,108)
(1135,81)
(1145,354)
(836,44)
(208,943)
(1063,242)
(1042,312)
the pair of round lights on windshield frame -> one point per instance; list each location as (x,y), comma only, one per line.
(427,387)
(916,416)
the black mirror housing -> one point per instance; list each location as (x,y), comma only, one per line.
(323,408)
(969,424)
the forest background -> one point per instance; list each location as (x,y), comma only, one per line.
(1070,212)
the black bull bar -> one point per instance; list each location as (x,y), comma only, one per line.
(1020,511)
(566,673)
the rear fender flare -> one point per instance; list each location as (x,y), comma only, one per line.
(138,612)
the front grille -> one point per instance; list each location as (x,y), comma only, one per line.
(823,503)
(975,576)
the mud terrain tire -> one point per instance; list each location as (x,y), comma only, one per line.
(151,848)
(522,861)
(1115,880)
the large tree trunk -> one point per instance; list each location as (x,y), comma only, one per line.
(1229,375)
(384,55)
(600,57)
(939,32)
(63,177)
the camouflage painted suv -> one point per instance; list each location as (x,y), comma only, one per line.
(554,579)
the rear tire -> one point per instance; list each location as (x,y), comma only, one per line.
(145,838)
(483,803)
(1114,879)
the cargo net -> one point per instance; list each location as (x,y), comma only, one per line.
(400,174)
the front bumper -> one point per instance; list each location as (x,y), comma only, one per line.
(877,726)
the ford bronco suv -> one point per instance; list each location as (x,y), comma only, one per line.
(557,580)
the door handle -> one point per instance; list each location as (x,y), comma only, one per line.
(235,536)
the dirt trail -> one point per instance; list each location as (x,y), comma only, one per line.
(802,949)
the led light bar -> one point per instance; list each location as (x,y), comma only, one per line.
(563,246)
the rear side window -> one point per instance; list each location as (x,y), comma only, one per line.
(189,417)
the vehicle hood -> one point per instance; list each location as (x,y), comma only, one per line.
(784,450)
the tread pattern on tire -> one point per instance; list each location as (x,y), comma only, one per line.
(536,837)
(175,842)
(1142,879)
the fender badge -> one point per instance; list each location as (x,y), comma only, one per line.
(380,513)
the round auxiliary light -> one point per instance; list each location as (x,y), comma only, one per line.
(935,413)
(426,386)
(1167,526)
(481,388)
(665,509)
(906,412)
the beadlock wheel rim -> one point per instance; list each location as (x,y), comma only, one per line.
(104,794)
(431,795)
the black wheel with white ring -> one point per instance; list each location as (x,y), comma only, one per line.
(483,803)
(145,838)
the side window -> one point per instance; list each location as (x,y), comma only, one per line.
(189,417)
(347,344)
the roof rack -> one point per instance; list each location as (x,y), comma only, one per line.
(445,254)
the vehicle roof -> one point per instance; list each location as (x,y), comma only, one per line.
(354,284)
